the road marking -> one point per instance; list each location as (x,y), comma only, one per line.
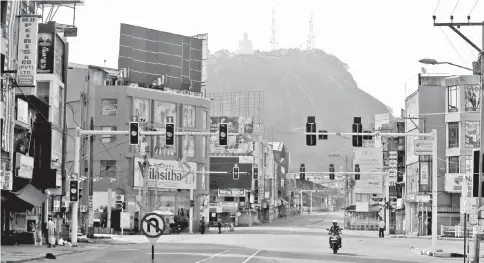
(251,256)
(216,255)
(128,249)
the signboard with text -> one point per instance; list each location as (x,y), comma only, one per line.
(423,147)
(167,174)
(27,50)
(370,160)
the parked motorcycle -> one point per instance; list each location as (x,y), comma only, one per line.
(333,241)
(175,228)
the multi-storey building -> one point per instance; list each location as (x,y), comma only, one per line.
(463,128)
(394,151)
(33,118)
(425,112)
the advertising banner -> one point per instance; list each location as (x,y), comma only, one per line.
(141,110)
(46,53)
(454,182)
(167,174)
(189,114)
(163,110)
(25,166)
(159,146)
(424,176)
(231,192)
(237,145)
(370,160)
(27,50)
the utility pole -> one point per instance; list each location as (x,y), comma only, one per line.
(452,25)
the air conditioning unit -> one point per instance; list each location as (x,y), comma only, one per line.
(119,198)
(108,82)
(119,82)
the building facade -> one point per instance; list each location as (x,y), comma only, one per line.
(33,168)
(172,170)
(425,112)
(462,120)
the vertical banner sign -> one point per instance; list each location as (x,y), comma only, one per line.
(27,50)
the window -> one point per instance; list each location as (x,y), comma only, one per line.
(204,147)
(452,99)
(229,199)
(109,107)
(108,168)
(188,146)
(43,91)
(453,163)
(453,134)
(204,119)
(473,99)
(189,116)
(468,164)
(108,138)
(473,134)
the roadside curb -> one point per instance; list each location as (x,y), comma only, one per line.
(43,257)
(439,253)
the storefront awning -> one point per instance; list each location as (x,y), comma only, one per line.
(31,195)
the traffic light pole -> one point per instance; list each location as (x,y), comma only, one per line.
(433,136)
(77,146)
(75,205)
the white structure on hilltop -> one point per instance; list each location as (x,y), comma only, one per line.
(245,46)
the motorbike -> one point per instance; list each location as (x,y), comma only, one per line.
(175,228)
(333,241)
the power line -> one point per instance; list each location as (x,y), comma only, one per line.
(452,44)
(472,7)
(456,4)
(437,6)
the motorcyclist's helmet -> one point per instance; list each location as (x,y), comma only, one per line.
(335,223)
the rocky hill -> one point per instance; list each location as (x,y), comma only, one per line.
(298,84)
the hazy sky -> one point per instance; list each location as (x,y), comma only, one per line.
(380,40)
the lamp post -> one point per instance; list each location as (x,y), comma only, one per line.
(431,61)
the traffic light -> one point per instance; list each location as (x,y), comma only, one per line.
(74,190)
(170,134)
(367,136)
(133,133)
(302,172)
(321,135)
(236,173)
(311,127)
(255,173)
(120,202)
(475,173)
(222,134)
(192,203)
(357,127)
(331,171)
(357,170)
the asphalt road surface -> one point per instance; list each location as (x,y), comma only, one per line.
(299,239)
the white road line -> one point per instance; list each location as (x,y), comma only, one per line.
(216,255)
(251,256)
(128,249)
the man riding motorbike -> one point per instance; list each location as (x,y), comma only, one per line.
(335,230)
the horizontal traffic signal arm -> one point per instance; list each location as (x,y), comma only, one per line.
(375,133)
(148,133)
(343,173)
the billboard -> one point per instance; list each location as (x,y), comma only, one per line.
(241,144)
(27,51)
(167,174)
(226,164)
(411,110)
(149,54)
(380,120)
(370,160)
(454,182)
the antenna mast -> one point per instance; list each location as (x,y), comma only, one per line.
(273,28)
(310,42)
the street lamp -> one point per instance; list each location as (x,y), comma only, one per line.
(431,61)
